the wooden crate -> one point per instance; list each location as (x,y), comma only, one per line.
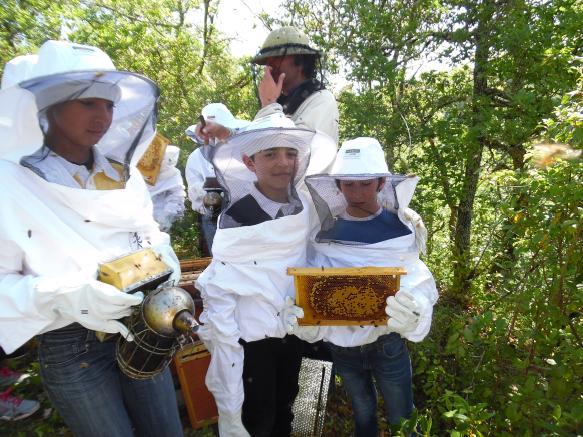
(344,296)
(191,269)
(191,364)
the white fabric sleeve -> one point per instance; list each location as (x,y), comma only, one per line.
(319,112)
(22,316)
(420,283)
(272,108)
(195,181)
(29,304)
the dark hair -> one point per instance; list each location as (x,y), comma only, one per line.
(308,63)
(379,180)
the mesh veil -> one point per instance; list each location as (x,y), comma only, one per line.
(330,202)
(134,115)
(236,179)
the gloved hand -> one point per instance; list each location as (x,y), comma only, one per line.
(404,312)
(231,425)
(420,229)
(94,304)
(290,314)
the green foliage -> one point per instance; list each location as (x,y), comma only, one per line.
(506,349)
(186,235)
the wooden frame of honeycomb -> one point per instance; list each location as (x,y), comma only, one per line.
(151,161)
(344,296)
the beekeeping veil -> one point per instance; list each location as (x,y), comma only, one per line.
(65,71)
(273,131)
(358,159)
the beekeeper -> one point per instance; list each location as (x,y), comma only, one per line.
(200,173)
(365,221)
(254,367)
(72,198)
(290,85)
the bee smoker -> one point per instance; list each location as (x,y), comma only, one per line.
(162,324)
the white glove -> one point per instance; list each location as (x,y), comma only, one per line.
(94,304)
(290,314)
(420,229)
(404,312)
(231,425)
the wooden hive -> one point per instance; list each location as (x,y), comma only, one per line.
(192,362)
(344,296)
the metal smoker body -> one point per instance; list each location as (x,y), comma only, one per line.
(161,325)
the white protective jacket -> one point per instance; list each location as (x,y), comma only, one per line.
(244,290)
(196,171)
(52,237)
(49,232)
(318,112)
(168,192)
(398,252)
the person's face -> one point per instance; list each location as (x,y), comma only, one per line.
(274,168)
(294,74)
(80,123)
(361,196)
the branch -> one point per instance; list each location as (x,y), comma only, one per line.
(135,17)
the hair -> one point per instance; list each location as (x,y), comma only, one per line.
(380,181)
(308,64)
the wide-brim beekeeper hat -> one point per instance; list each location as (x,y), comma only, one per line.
(65,71)
(275,130)
(285,41)
(360,158)
(269,132)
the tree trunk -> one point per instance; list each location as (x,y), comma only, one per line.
(462,269)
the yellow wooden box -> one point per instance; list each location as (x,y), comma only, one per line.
(134,271)
(344,296)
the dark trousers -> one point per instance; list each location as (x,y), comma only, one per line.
(270,381)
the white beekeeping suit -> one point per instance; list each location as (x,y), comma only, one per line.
(198,168)
(245,286)
(385,238)
(168,192)
(54,227)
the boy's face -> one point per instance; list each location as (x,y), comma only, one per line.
(274,168)
(362,195)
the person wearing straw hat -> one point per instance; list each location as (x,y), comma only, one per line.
(365,221)
(72,132)
(262,230)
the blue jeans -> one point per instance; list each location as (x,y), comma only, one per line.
(209,228)
(81,377)
(387,360)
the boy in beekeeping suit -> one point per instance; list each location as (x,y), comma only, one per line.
(254,367)
(365,221)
